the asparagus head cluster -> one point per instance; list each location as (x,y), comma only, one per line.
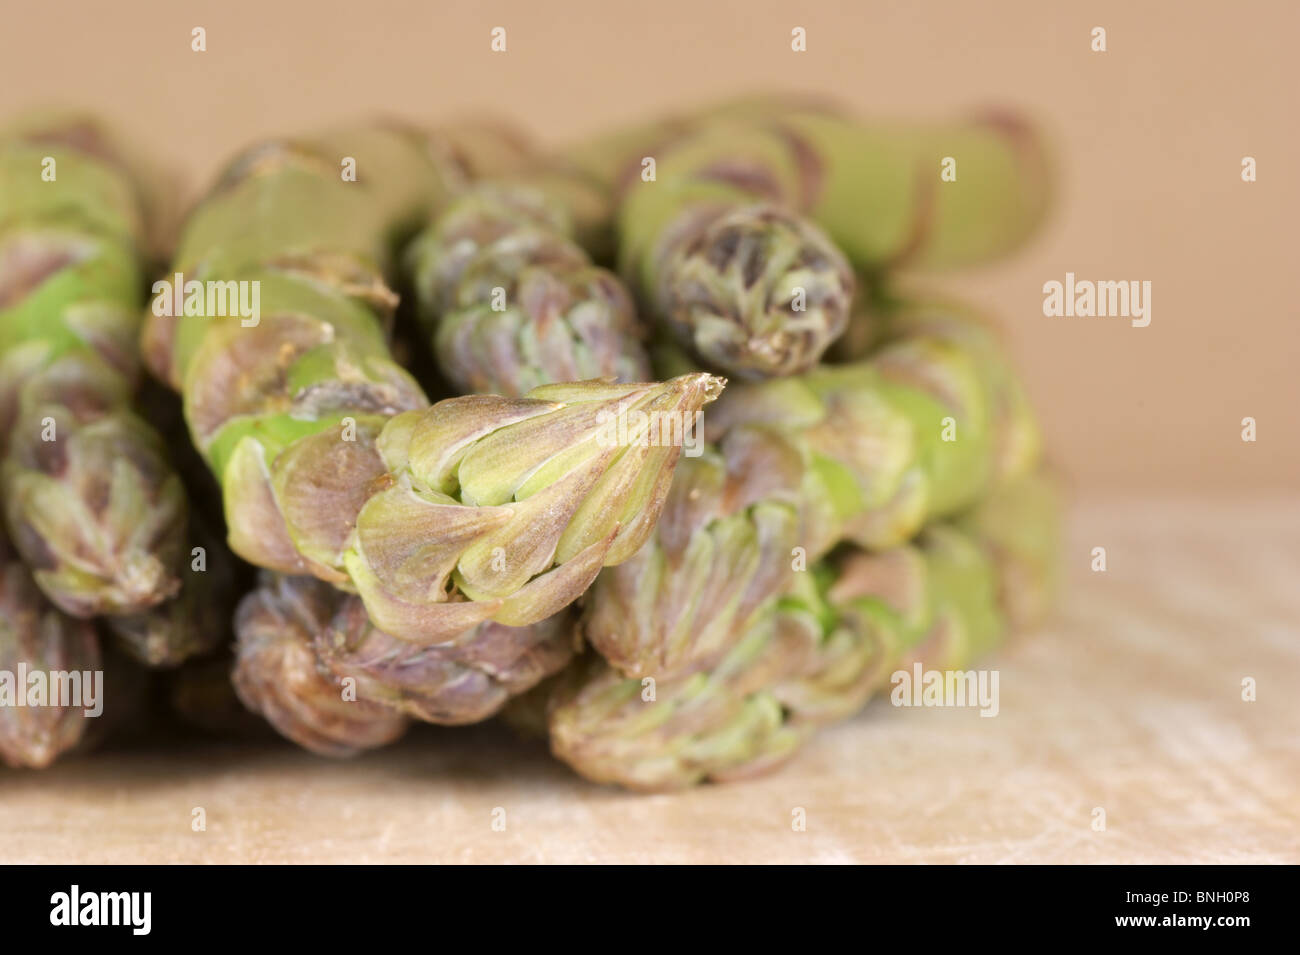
(815,656)
(450,525)
(780,586)
(867,452)
(330,460)
(675,596)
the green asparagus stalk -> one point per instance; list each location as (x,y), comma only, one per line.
(91,501)
(718,246)
(919,431)
(814,658)
(879,188)
(599,171)
(407,518)
(858,452)
(329,459)
(36,638)
(512,302)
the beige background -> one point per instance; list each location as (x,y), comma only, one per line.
(1150,137)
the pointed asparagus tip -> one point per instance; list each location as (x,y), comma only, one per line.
(702,384)
(713,385)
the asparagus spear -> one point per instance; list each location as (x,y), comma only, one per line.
(193,622)
(277,672)
(37,637)
(196,620)
(331,463)
(814,658)
(875,186)
(918,431)
(722,553)
(750,286)
(61,687)
(717,244)
(512,302)
(314,665)
(856,452)
(91,501)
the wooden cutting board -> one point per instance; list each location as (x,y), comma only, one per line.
(1129,703)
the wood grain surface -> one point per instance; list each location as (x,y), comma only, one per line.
(1131,701)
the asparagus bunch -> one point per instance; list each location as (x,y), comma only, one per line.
(329,459)
(421,560)
(867,452)
(563,319)
(813,658)
(91,501)
(456,524)
(720,247)
(723,549)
